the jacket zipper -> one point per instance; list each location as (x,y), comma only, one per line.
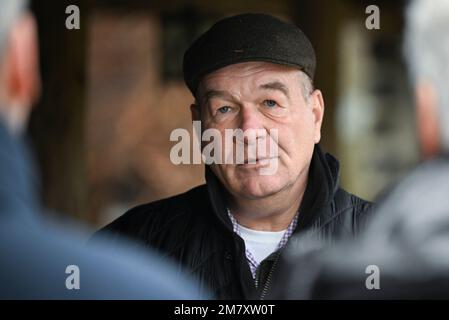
(268,282)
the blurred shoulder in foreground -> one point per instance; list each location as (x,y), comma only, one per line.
(40,260)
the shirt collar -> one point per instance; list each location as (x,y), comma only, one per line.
(253,264)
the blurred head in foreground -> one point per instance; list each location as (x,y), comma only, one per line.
(427,52)
(19,71)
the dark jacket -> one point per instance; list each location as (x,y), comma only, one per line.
(194,229)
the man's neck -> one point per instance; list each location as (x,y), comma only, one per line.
(272,213)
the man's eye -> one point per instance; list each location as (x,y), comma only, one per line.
(270,103)
(224,109)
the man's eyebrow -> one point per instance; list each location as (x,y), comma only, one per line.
(275,85)
(209,94)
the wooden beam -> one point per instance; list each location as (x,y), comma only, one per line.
(57,123)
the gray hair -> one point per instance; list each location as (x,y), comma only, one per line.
(307,85)
(427,51)
(10,10)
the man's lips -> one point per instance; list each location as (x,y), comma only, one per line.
(258,161)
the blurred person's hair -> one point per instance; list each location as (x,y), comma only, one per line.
(426,48)
(10,10)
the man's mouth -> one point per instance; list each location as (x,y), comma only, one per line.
(256,162)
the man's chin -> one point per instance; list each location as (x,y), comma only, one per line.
(262,188)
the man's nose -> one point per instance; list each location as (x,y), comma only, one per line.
(251,125)
(250,119)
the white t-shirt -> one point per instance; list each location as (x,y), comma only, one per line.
(260,243)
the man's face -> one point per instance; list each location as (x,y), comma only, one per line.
(260,95)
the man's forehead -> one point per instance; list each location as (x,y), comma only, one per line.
(256,74)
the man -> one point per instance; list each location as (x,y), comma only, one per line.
(404,251)
(41,260)
(252,73)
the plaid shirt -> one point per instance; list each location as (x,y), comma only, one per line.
(253,264)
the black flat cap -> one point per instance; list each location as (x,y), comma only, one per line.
(247,37)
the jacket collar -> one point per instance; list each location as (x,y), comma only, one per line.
(322,184)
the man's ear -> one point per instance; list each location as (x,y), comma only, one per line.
(195,112)
(428,127)
(22,79)
(317,102)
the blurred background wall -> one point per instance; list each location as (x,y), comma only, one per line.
(113,92)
